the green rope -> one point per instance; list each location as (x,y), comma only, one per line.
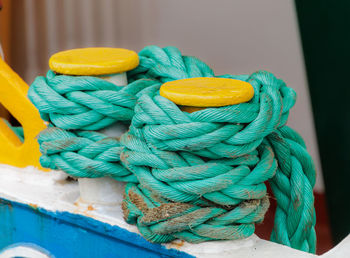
(179,157)
(292,186)
(168,64)
(195,176)
(80,103)
(77,104)
(83,102)
(83,154)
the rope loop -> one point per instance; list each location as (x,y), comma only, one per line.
(168,64)
(229,131)
(292,186)
(82,154)
(83,102)
(162,221)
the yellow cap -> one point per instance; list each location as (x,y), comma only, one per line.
(94,61)
(207,92)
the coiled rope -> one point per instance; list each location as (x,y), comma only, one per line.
(74,106)
(83,102)
(195,176)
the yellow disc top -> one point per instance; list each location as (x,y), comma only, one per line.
(207,92)
(94,61)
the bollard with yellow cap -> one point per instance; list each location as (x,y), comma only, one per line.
(110,64)
(189,178)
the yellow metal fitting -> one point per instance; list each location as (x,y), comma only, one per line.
(196,93)
(13,96)
(94,61)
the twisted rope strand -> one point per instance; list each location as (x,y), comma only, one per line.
(168,64)
(295,215)
(83,102)
(82,154)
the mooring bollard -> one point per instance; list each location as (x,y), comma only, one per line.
(110,64)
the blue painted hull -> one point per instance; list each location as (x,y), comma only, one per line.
(64,234)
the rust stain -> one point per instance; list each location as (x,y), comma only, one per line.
(177,244)
(87,214)
(33,206)
(83,210)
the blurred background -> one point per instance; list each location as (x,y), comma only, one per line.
(303,42)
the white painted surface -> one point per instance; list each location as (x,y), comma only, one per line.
(22,251)
(342,250)
(105,190)
(118,79)
(100,191)
(49,191)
